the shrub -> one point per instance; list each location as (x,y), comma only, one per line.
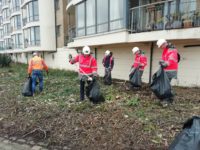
(5,60)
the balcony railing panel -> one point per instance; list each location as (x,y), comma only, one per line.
(164,16)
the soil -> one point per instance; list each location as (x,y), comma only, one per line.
(128,119)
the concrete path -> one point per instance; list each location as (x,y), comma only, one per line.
(6,144)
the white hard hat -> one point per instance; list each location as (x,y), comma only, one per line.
(160,42)
(107,52)
(135,49)
(35,53)
(86,50)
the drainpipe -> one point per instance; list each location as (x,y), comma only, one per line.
(55,25)
(151,62)
(95,53)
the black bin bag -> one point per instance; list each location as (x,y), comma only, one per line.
(93,92)
(161,85)
(135,78)
(189,137)
(27,87)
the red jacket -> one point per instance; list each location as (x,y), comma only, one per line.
(87,64)
(170,56)
(140,60)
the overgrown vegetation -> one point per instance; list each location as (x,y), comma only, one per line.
(5,60)
(127,119)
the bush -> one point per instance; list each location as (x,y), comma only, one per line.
(5,60)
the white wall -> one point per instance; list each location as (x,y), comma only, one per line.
(60,59)
(124,59)
(188,72)
(47,24)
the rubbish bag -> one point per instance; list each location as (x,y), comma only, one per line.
(161,85)
(189,137)
(93,92)
(107,77)
(135,78)
(27,87)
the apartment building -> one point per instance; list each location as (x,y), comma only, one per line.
(26,26)
(119,25)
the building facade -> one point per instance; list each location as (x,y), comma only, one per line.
(59,27)
(119,25)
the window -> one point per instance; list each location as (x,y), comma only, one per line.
(116,14)
(17,40)
(102,16)
(32,36)
(57,4)
(1,45)
(97,16)
(90,13)
(58,30)
(6,29)
(81,19)
(15,5)
(30,12)
(7,43)
(1,34)
(6,14)
(15,23)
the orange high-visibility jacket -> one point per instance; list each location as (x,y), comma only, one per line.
(37,63)
(87,64)
(140,60)
(170,56)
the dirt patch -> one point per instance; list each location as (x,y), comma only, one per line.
(127,120)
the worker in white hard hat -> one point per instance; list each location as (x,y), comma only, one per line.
(87,68)
(108,63)
(140,62)
(169,61)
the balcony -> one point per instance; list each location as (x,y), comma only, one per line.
(31,43)
(30,19)
(14,9)
(71,35)
(164,16)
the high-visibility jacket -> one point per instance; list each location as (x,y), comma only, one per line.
(87,64)
(108,62)
(37,63)
(140,61)
(170,56)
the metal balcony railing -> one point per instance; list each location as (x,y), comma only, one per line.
(164,16)
(71,35)
(15,9)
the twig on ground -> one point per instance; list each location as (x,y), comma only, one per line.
(37,129)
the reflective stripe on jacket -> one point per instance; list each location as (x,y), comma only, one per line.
(140,60)
(37,63)
(87,64)
(170,57)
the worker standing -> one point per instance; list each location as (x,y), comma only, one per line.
(169,61)
(140,61)
(87,68)
(108,63)
(36,65)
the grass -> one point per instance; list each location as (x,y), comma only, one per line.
(125,120)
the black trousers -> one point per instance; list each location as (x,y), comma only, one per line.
(82,89)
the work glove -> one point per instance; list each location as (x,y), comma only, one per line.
(90,79)
(70,57)
(29,75)
(140,65)
(163,64)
